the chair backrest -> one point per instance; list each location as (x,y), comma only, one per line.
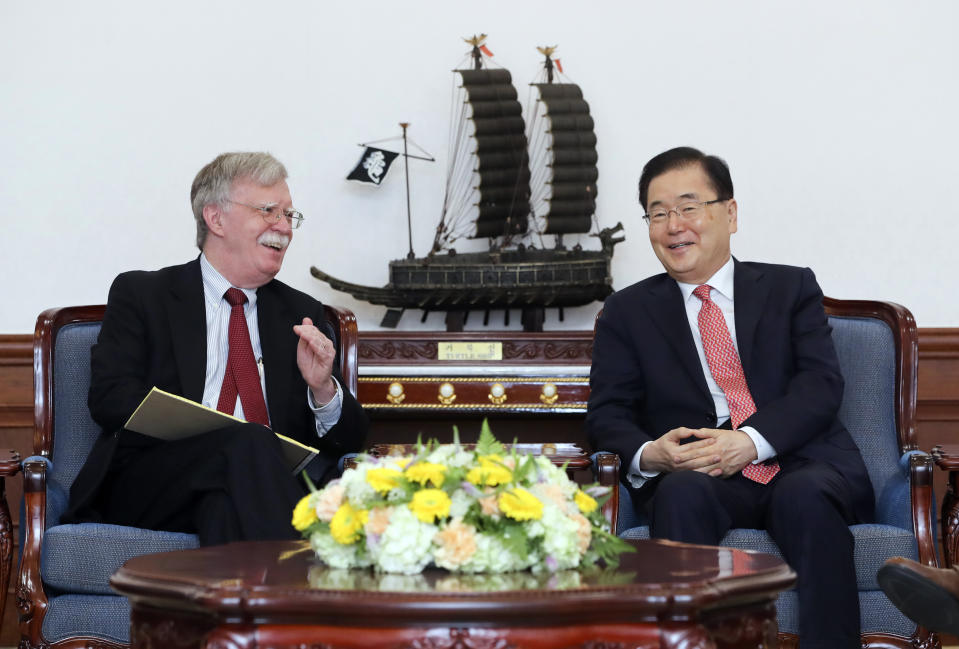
(877,346)
(61,359)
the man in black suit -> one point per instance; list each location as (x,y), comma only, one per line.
(718,385)
(222,331)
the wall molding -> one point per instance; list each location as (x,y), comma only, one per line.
(16,349)
(16,381)
(938,375)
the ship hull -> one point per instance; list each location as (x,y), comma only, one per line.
(489,280)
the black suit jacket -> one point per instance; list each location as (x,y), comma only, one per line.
(154,334)
(646,378)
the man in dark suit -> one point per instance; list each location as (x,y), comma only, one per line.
(718,385)
(222,331)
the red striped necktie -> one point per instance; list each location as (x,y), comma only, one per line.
(241,377)
(727,370)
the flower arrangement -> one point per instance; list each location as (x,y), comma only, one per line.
(486,510)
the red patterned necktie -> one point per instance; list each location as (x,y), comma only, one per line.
(241,375)
(727,370)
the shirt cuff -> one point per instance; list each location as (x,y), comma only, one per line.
(764,450)
(328,414)
(637,477)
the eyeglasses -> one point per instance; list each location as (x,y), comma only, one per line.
(272,213)
(688,211)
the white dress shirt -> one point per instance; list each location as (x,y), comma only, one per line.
(218,349)
(722,295)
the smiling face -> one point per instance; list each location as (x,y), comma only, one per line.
(690,251)
(241,245)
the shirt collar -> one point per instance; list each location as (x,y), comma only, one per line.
(215,284)
(721,282)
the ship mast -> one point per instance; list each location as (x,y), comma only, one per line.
(548,53)
(409,217)
(477,43)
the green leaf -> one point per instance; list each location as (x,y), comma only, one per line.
(514,539)
(524,467)
(608,547)
(487,444)
(456,435)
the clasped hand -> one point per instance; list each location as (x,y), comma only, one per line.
(718,452)
(314,357)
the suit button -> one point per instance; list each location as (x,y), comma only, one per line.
(711,418)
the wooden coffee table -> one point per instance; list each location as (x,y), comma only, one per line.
(274,594)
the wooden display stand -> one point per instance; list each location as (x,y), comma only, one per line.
(533,387)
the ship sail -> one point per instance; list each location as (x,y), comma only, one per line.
(563,151)
(487,191)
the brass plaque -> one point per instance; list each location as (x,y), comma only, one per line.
(469,351)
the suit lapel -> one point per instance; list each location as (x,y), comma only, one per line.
(668,312)
(750,302)
(187,316)
(278,343)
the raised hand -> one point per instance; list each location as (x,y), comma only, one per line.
(314,356)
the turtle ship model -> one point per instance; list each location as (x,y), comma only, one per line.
(512,181)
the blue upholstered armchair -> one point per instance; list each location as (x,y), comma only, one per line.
(63,592)
(877,347)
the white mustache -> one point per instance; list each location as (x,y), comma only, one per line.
(274,240)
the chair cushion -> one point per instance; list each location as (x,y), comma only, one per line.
(876,614)
(874,544)
(100,616)
(81,558)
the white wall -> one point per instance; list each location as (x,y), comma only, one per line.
(838,120)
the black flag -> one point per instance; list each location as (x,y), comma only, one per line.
(373,165)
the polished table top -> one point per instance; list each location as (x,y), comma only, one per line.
(283,581)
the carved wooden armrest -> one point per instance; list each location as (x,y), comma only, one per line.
(606,470)
(920,478)
(31,600)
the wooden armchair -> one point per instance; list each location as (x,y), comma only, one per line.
(877,344)
(63,594)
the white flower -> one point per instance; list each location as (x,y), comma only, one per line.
(492,556)
(552,474)
(461,502)
(405,545)
(337,555)
(358,490)
(451,456)
(561,542)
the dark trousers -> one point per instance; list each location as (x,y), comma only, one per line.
(806,511)
(231,484)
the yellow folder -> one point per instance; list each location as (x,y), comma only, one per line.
(171,417)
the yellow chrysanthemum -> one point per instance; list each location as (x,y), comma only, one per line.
(520,505)
(430,505)
(304,514)
(423,472)
(585,502)
(347,524)
(490,472)
(383,479)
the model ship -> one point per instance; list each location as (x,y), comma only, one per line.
(511,181)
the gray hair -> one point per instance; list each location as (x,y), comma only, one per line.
(214,183)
